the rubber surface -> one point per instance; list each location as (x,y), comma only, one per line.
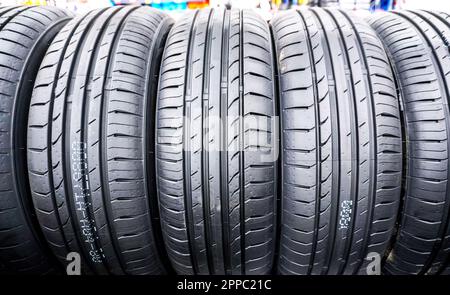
(25,34)
(215,140)
(418,44)
(341,143)
(89,152)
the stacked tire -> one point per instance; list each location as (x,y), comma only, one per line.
(418,44)
(221,144)
(217,190)
(89,133)
(25,34)
(341,143)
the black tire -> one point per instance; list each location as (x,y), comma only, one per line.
(217,190)
(341,143)
(25,34)
(90,140)
(418,45)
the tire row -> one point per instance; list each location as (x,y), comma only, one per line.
(223,144)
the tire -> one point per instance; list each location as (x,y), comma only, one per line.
(216,173)
(341,143)
(417,43)
(25,34)
(90,138)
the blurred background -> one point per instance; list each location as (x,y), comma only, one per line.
(265,7)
